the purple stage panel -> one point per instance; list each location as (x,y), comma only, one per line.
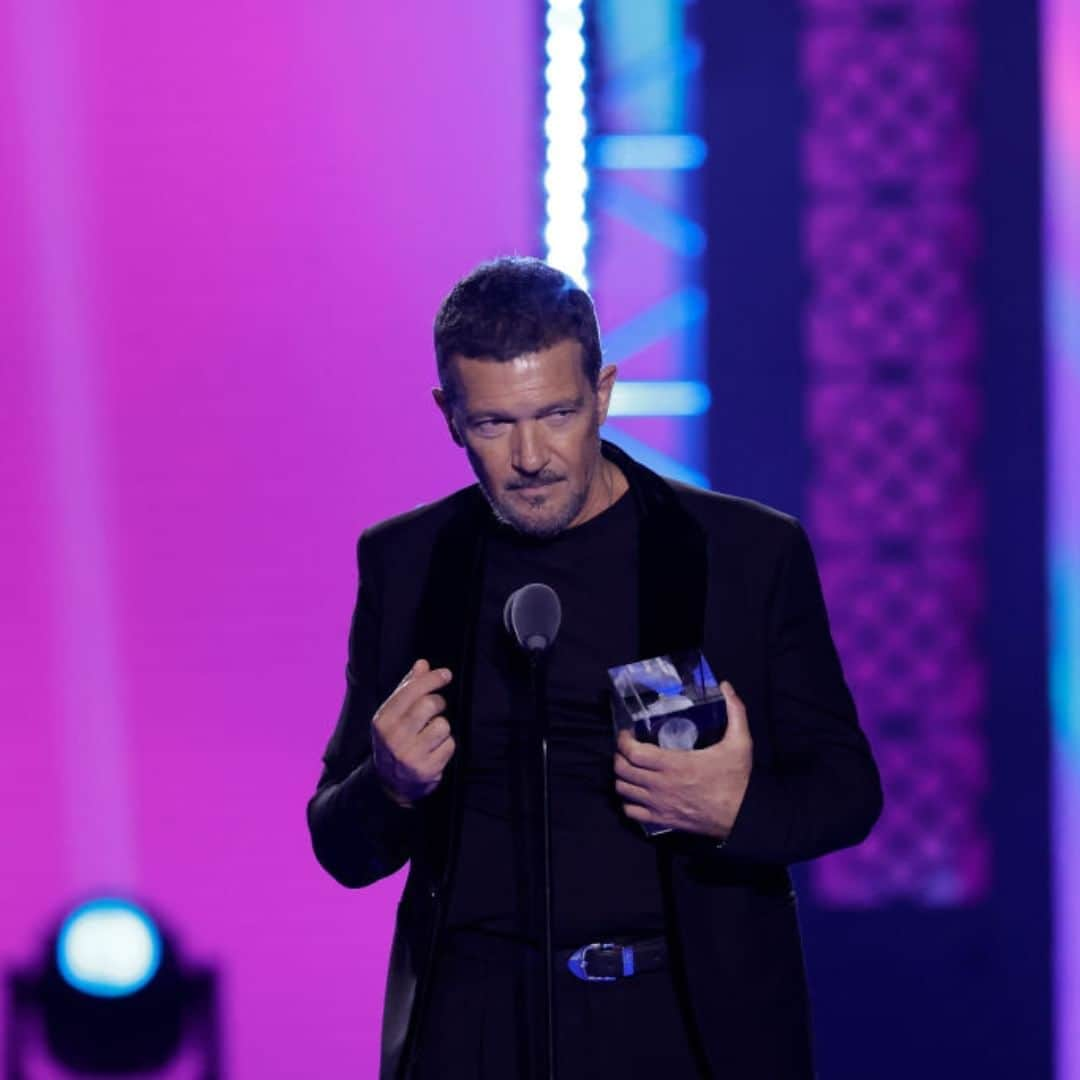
(894,409)
(226,230)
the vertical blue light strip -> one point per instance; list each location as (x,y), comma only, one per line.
(1061,90)
(566,232)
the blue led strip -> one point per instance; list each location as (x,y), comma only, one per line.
(660,397)
(649,151)
(1061,172)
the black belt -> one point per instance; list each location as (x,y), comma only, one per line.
(607,961)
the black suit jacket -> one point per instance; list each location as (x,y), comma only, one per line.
(725,573)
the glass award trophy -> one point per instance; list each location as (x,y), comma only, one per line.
(672,701)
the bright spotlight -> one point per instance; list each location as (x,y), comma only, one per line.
(108,948)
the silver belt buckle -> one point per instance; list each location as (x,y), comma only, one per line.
(576,962)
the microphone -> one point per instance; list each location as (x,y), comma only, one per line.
(532,616)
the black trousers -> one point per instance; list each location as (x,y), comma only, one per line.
(485,1020)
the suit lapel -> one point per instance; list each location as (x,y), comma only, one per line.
(448,605)
(445,636)
(672,564)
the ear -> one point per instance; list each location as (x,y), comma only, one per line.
(605,382)
(444,406)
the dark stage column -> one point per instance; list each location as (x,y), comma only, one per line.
(873,186)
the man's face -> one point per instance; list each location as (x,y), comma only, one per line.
(531,428)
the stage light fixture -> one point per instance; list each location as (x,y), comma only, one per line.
(110,997)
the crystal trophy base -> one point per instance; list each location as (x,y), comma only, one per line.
(671,701)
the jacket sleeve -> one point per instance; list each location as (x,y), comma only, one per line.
(358,833)
(819,789)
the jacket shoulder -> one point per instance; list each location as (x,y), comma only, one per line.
(735,518)
(417,527)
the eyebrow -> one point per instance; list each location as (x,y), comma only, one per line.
(496,414)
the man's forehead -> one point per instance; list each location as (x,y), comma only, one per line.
(552,372)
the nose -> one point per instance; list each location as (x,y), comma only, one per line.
(528,452)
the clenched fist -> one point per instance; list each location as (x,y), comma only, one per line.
(411,740)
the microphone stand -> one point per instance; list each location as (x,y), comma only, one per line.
(537,672)
(532,615)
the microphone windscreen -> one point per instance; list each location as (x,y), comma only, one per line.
(532,616)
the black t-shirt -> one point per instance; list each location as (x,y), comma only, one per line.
(603,866)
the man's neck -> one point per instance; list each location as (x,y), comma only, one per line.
(608,486)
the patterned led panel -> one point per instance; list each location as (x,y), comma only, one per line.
(893,417)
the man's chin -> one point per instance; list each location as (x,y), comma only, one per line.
(539,522)
(538,526)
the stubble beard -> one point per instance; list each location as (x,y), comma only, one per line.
(538,528)
(542,528)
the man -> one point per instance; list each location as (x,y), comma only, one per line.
(431,759)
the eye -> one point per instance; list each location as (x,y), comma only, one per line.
(489,426)
(560,416)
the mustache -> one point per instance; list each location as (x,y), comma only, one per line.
(541,479)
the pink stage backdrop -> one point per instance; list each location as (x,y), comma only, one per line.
(226,227)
